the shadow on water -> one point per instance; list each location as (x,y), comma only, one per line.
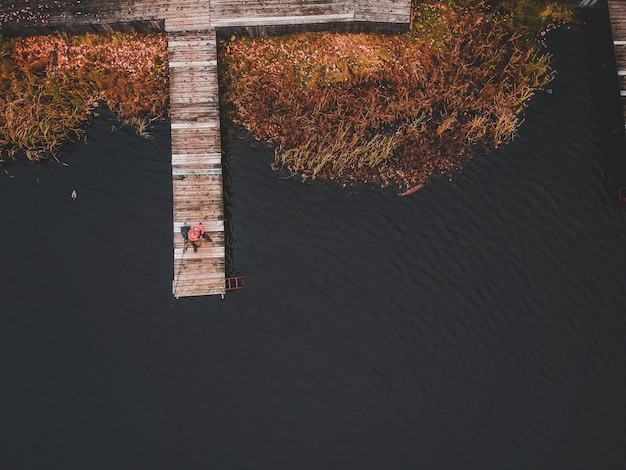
(477,323)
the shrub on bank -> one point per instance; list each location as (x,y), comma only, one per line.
(388,109)
(50,85)
(351,108)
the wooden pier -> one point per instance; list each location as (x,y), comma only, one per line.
(615,142)
(617,14)
(192,27)
(196,161)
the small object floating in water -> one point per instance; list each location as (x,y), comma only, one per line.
(412,190)
(74,195)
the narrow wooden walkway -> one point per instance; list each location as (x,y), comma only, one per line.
(617,13)
(196,160)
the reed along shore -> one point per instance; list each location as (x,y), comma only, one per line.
(51,86)
(389,110)
(393,109)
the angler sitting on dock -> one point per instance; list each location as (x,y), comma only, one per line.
(193,234)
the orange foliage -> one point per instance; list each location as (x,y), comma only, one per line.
(378,108)
(57,80)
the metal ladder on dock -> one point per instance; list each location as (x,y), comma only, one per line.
(236,282)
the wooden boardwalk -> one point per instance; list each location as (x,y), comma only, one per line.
(194,97)
(617,13)
(196,161)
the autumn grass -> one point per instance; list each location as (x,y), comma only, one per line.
(388,110)
(50,85)
(353,108)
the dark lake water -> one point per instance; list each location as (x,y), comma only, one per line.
(478,324)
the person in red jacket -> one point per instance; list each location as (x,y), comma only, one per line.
(193,234)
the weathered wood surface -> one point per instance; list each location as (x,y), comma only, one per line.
(617,13)
(79,16)
(196,161)
(194,97)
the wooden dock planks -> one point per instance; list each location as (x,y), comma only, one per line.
(617,14)
(196,160)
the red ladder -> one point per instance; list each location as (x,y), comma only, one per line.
(236,282)
(621,194)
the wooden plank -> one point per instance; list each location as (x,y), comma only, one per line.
(194,182)
(194,124)
(199,211)
(210,226)
(205,209)
(201,162)
(187,191)
(193,157)
(281,20)
(197,214)
(195,168)
(185,199)
(196,63)
(185,194)
(205,249)
(194,112)
(198,204)
(217,245)
(199,265)
(217,240)
(202,210)
(202,192)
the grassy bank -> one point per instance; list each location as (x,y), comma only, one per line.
(351,108)
(392,110)
(50,86)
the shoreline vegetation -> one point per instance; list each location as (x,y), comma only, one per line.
(387,110)
(51,86)
(393,110)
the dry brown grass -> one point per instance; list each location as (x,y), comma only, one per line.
(385,109)
(49,86)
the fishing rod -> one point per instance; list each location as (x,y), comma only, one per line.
(180,267)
